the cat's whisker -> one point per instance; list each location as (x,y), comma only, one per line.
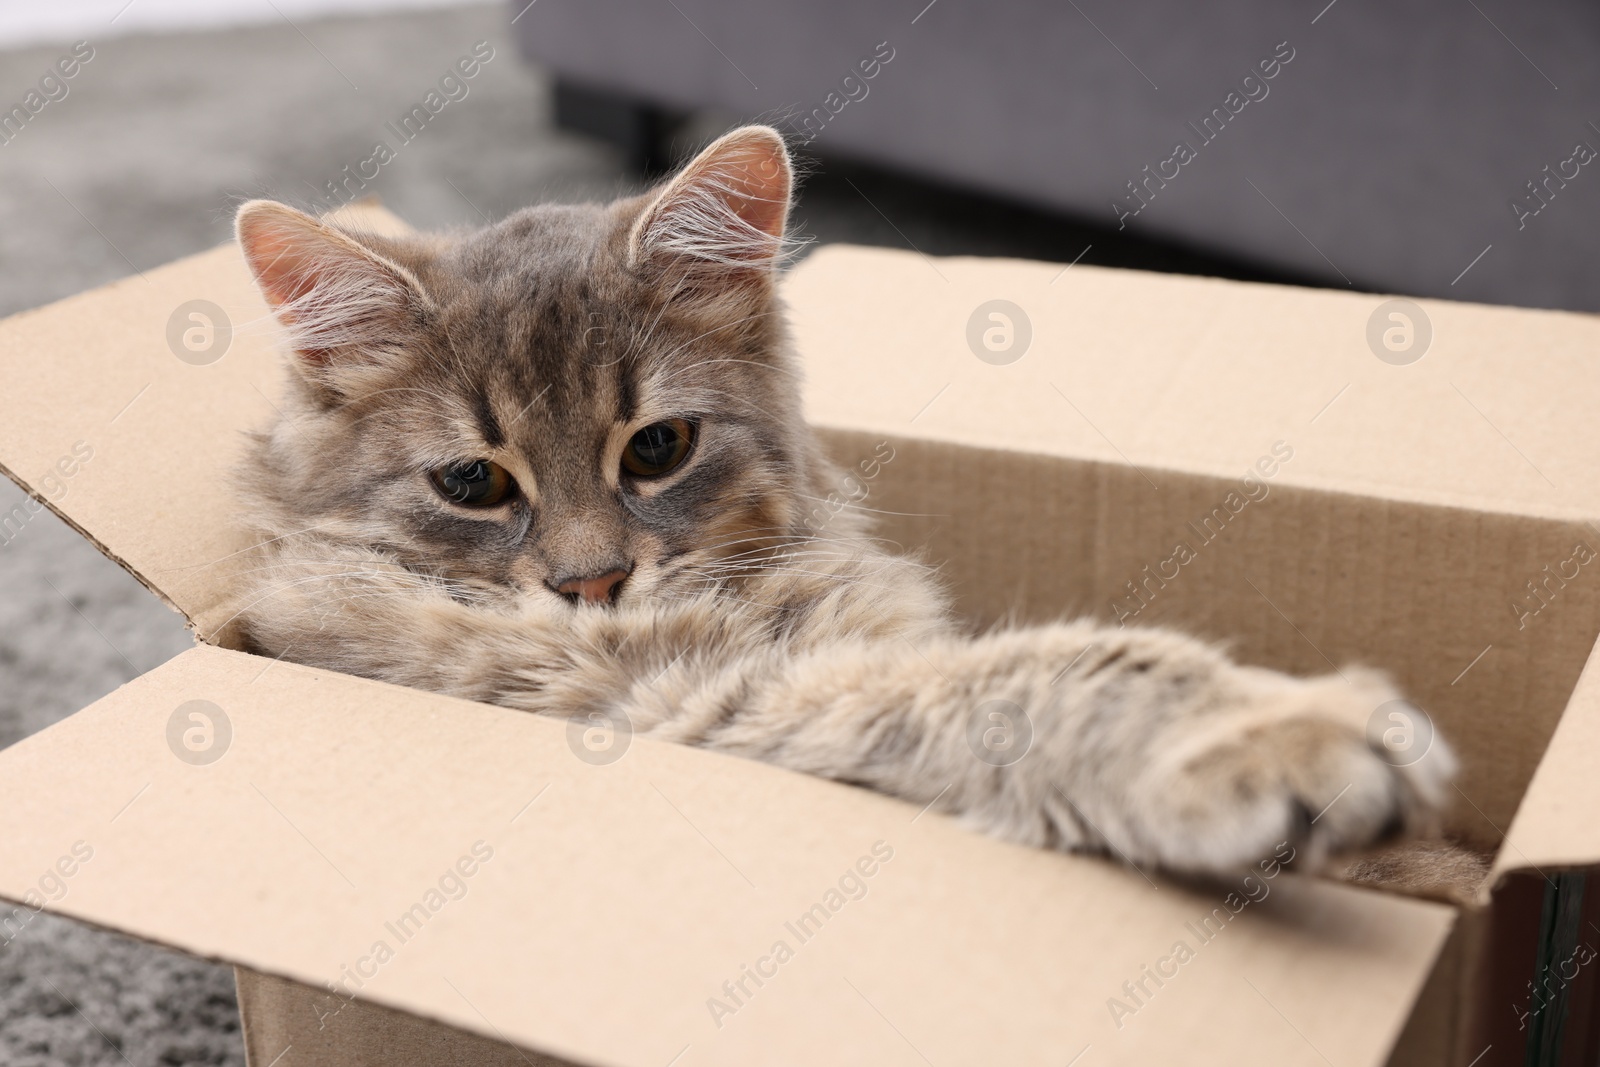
(721,596)
(407,582)
(433,395)
(851,505)
(786,562)
(792,551)
(781,367)
(664,357)
(251,548)
(439,402)
(841,565)
(661,310)
(455,354)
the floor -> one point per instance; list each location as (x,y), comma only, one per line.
(159,137)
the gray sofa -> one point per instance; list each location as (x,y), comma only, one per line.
(1400,147)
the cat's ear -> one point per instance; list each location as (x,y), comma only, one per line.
(726,210)
(346,307)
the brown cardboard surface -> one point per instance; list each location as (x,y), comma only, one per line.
(619,898)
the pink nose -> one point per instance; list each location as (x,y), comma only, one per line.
(595,590)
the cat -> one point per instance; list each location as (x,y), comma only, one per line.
(559,464)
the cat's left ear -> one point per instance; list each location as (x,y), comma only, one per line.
(727,209)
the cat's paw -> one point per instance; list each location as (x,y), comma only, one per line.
(1299,762)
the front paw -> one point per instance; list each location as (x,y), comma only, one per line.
(1327,765)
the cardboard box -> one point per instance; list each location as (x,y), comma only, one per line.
(530,904)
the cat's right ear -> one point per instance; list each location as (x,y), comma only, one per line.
(347,309)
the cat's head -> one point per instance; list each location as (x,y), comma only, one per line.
(590,402)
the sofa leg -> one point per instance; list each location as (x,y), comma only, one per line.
(640,130)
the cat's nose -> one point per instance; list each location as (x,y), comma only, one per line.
(597,590)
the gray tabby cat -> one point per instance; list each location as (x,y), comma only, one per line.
(559,465)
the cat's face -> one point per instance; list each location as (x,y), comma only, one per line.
(594,403)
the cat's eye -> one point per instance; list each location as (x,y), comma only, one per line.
(658,448)
(477,483)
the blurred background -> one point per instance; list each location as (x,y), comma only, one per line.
(1437,148)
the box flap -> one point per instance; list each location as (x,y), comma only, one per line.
(1193,374)
(125,410)
(1555,827)
(606,906)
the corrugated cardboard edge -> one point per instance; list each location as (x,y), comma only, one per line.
(1539,838)
(274,1021)
(33,494)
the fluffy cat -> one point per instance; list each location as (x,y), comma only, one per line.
(559,464)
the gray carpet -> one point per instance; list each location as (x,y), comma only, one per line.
(141,163)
